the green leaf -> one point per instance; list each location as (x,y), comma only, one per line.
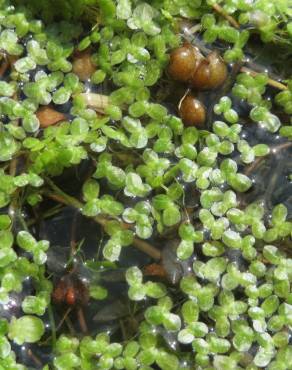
(7,255)
(8,146)
(239,182)
(175,191)
(171,322)
(135,186)
(264,356)
(190,311)
(161,201)
(137,292)
(279,214)
(261,150)
(6,89)
(272,254)
(90,190)
(155,290)
(25,64)
(124,10)
(5,347)
(91,208)
(34,305)
(167,361)
(171,216)
(214,268)
(26,329)
(6,239)
(111,251)
(154,315)
(30,123)
(134,276)
(98,292)
(79,127)
(270,305)
(126,238)
(185,249)
(61,96)
(26,241)
(232,239)
(5,222)
(67,361)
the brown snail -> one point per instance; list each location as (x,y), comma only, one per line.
(187,64)
(210,74)
(192,111)
(184,60)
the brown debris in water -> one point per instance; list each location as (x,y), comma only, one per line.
(49,116)
(83,66)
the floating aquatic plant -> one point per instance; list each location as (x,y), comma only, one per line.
(145,185)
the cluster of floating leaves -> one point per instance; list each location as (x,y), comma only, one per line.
(215,290)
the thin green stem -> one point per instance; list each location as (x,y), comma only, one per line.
(53,326)
(218,9)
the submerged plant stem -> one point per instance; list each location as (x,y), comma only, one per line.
(52,325)
(81,320)
(70,325)
(35,359)
(51,212)
(273,150)
(63,318)
(218,9)
(64,198)
(278,85)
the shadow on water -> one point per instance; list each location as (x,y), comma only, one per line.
(270,174)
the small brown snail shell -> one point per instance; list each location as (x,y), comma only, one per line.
(184,60)
(210,74)
(192,111)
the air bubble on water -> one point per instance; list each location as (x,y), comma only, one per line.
(173,345)
(262,125)
(84,280)
(87,86)
(11,213)
(9,305)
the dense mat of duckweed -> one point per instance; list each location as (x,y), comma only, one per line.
(145,184)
